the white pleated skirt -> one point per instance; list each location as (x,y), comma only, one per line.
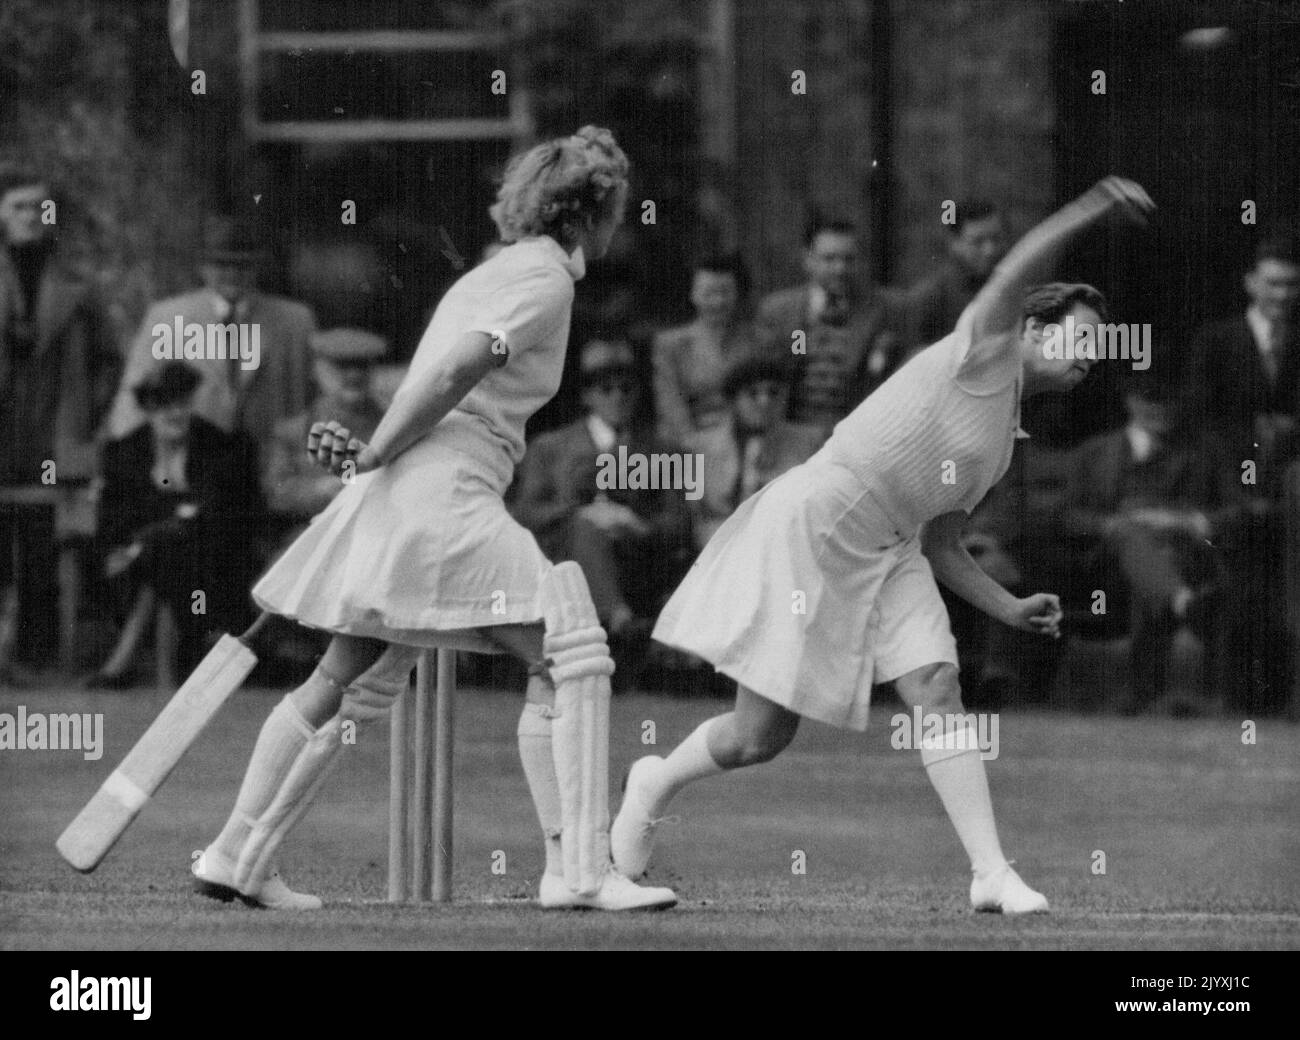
(810,595)
(420,552)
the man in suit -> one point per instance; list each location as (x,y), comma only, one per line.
(58,370)
(977,241)
(296,488)
(181,511)
(1245,370)
(752,446)
(850,330)
(1245,373)
(233,394)
(633,545)
(1147,506)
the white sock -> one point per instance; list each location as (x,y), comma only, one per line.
(538,760)
(957,772)
(690,760)
(284,734)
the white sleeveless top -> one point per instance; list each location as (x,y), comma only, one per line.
(938,434)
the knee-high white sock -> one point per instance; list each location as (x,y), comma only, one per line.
(538,760)
(284,734)
(690,760)
(957,772)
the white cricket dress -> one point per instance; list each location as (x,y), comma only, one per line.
(816,589)
(423,548)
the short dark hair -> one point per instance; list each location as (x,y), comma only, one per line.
(1281,245)
(973,209)
(165,383)
(1053,301)
(725,263)
(818,223)
(753,368)
(604,358)
(14,175)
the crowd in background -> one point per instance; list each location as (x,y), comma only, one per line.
(172,478)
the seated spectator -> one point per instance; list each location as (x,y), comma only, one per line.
(850,329)
(233,394)
(58,371)
(633,545)
(691,361)
(1245,376)
(296,488)
(181,512)
(977,241)
(1147,504)
(752,446)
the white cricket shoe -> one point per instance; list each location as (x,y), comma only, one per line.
(632,838)
(1001,891)
(554,894)
(214,877)
(615,893)
(276,895)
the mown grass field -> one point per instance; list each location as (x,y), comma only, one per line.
(1198,831)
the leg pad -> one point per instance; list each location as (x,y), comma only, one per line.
(580,666)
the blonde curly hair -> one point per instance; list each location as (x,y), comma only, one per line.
(556,187)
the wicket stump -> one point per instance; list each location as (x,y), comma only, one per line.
(420,784)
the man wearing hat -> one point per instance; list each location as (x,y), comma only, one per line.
(181,511)
(296,488)
(632,544)
(234,393)
(752,446)
(58,372)
(1149,508)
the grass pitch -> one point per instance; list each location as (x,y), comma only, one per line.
(1198,832)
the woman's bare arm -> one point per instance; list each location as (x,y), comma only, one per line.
(996,309)
(953,566)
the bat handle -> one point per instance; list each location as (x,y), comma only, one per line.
(248,637)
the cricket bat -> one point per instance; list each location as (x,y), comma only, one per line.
(88,838)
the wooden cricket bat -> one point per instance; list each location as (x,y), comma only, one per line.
(88,838)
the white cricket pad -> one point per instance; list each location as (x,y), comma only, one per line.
(580,666)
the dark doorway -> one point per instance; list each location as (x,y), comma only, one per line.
(421,221)
(1202,107)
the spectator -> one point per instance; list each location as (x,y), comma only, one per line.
(633,545)
(690,361)
(181,511)
(232,394)
(978,240)
(1245,370)
(753,445)
(296,488)
(1147,503)
(1245,375)
(850,329)
(58,371)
